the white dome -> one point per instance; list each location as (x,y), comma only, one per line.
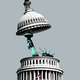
(31,15)
(31,21)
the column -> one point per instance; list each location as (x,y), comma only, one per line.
(49,75)
(53,75)
(44,61)
(17,77)
(26,76)
(48,61)
(61,76)
(53,63)
(41,61)
(57,64)
(34,75)
(35,61)
(56,75)
(38,61)
(38,74)
(42,75)
(23,76)
(46,75)
(26,63)
(31,62)
(30,76)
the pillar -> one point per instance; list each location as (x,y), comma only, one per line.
(26,63)
(38,74)
(31,62)
(41,61)
(44,61)
(35,61)
(26,75)
(17,76)
(50,62)
(38,61)
(61,76)
(34,74)
(46,75)
(53,75)
(49,75)
(30,76)
(56,75)
(23,75)
(42,75)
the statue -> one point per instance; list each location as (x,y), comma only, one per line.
(45,53)
(30,44)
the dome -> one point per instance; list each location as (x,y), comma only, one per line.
(31,22)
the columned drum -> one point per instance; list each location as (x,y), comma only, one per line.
(31,67)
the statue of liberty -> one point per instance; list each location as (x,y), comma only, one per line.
(30,44)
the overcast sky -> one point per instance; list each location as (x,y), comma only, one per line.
(63,38)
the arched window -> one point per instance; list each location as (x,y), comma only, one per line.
(33,61)
(49,61)
(46,61)
(40,61)
(25,63)
(43,61)
(36,61)
(52,62)
(30,62)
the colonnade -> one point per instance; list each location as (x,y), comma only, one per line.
(44,75)
(40,62)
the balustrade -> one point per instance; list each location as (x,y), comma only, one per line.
(40,61)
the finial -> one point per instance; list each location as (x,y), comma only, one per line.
(27,4)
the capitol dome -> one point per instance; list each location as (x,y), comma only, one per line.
(31,22)
(47,67)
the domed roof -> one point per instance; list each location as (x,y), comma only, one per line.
(32,15)
(31,22)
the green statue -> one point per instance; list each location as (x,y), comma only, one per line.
(30,44)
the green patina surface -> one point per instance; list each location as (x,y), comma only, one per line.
(28,34)
(33,50)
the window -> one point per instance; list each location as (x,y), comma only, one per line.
(36,61)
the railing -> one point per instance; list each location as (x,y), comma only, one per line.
(39,61)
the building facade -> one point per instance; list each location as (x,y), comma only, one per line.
(46,67)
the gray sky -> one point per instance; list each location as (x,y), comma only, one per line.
(63,38)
